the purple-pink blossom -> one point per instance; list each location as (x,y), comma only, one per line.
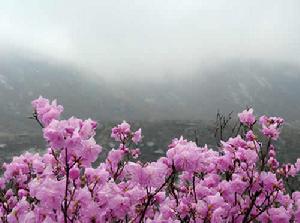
(240,181)
(246,117)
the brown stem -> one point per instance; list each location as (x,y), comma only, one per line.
(65,208)
(264,208)
(194,188)
(36,118)
(264,155)
(253,200)
(151,196)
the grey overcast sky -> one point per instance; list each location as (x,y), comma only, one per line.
(114,37)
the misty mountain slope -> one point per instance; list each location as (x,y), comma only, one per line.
(271,88)
(23,79)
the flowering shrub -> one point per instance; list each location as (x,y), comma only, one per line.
(241,181)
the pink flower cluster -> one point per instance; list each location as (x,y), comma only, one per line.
(270,126)
(122,132)
(242,181)
(46,111)
(247,117)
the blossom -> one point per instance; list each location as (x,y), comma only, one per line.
(49,192)
(137,136)
(74,173)
(113,159)
(279,215)
(271,132)
(270,126)
(218,215)
(46,111)
(250,136)
(233,182)
(246,117)
(87,128)
(121,131)
(120,205)
(268,180)
(297,165)
(266,121)
(152,175)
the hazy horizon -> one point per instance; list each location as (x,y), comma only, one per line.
(120,39)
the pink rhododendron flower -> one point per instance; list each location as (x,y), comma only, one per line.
(297,165)
(250,136)
(279,215)
(247,117)
(239,181)
(137,136)
(46,111)
(74,173)
(121,132)
(271,132)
